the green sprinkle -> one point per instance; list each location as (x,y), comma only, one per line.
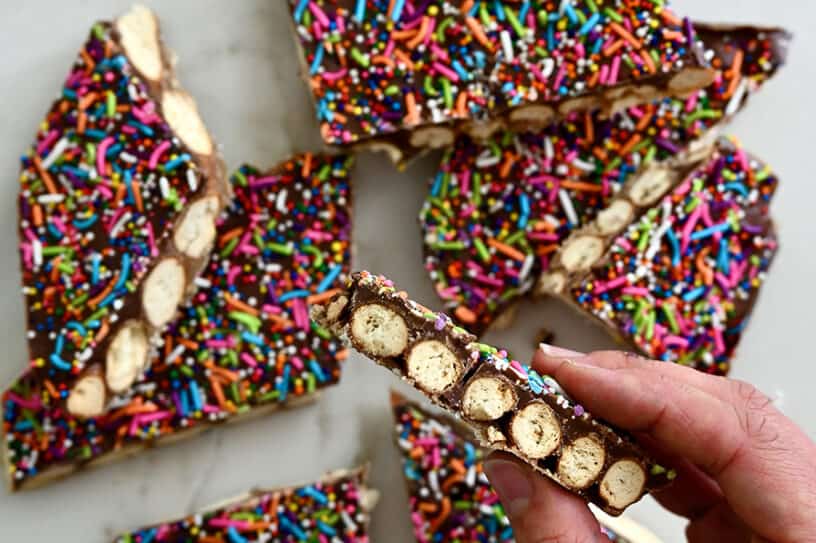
(612,14)
(250,321)
(360,58)
(517,26)
(484,254)
(229,247)
(111,103)
(280,248)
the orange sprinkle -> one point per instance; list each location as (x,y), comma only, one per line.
(589,128)
(478,32)
(46,177)
(49,386)
(342,355)
(307,165)
(404,58)
(634,140)
(582,186)
(669,17)
(412,117)
(241,306)
(736,64)
(465,315)
(137,194)
(644,121)
(506,249)
(420,36)
(452,480)
(322,297)
(461,104)
(623,33)
(190,344)
(443,514)
(36,211)
(93,302)
(705,270)
(380,59)
(647,59)
(614,48)
(229,236)
(506,166)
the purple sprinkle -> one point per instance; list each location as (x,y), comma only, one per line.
(579,410)
(440,322)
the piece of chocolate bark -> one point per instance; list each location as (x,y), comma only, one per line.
(408,75)
(508,404)
(242,346)
(678,279)
(118,199)
(497,212)
(450,498)
(337,508)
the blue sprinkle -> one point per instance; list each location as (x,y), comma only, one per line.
(318,372)
(125,271)
(84,224)
(590,24)
(711,230)
(292,528)
(312,492)
(285,297)
(326,529)
(59,362)
(318,59)
(301,7)
(195,397)
(283,384)
(359,10)
(723,260)
(397,13)
(675,247)
(176,162)
(234,536)
(570,13)
(459,69)
(252,338)
(437,184)
(694,294)
(738,187)
(330,277)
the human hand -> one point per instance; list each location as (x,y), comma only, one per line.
(746,473)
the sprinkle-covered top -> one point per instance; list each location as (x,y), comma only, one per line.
(100,189)
(334,510)
(680,282)
(243,341)
(496,213)
(379,66)
(450,497)
(451,500)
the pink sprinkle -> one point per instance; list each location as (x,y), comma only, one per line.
(719,344)
(603,75)
(151,240)
(100,155)
(560,77)
(488,281)
(217,343)
(613,71)
(248,360)
(127,129)
(319,14)
(447,72)
(47,141)
(689,228)
(542,236)
(30,403)
(341,24)
(234,271)
(223,522)
(724,283)
(334,76)
(623,243)
(297,363)
(301,314)
(436,52)
(272,309)
(691,103)
(675,341)
(636,291)
(154,156)
(613,284)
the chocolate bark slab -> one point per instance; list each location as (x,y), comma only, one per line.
(495,213)
(118,199)
(678,282)
(336,508)
(409,75)
(509,406)
(450,497)
(243,346)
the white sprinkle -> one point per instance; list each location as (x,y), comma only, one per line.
(164,186)
(192,180)
(50,198)
(736,100)
(280,202)
(37,250)
(549,152)
(119,224)
(583,165)
(127,157)
(55,153)
(470,478)
(547,67)
(566,203)
(526,267)
(507,45)
(433,481)
(174,354)
(202,283)
(347,520)
(486,160)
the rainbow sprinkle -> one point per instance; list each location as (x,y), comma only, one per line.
(680,282)
(334,510)
(100,189)
(243,342)
(450,497)
(496,213)
(377,67)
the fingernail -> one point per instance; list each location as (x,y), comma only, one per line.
(512,484)
(558,352)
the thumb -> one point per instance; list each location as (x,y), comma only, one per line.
(540,511)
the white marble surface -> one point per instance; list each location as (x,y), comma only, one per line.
(236,57)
